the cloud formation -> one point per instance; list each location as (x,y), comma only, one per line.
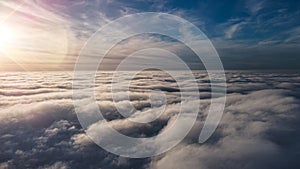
(259,128)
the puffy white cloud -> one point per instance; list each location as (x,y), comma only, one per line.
(259,128)
(247,135)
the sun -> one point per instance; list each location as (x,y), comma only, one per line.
(7,36)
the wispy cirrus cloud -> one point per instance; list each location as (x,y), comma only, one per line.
(64,26)
(233,29)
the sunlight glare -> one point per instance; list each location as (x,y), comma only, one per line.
(6,36)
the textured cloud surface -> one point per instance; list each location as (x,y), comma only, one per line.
(260,127)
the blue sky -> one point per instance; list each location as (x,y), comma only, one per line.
(247,34)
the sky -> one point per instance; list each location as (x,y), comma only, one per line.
(39,117)
(252,34)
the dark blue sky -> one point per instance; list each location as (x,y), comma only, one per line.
(252,34)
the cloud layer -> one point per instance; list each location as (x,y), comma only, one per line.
(259,129)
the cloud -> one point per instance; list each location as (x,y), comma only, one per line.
(244,138)
(268,30)
(37,24)
(255,6)
(42,131)
(232,30)
(57,165)
(294,35)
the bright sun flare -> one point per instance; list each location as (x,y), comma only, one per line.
(6,36)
